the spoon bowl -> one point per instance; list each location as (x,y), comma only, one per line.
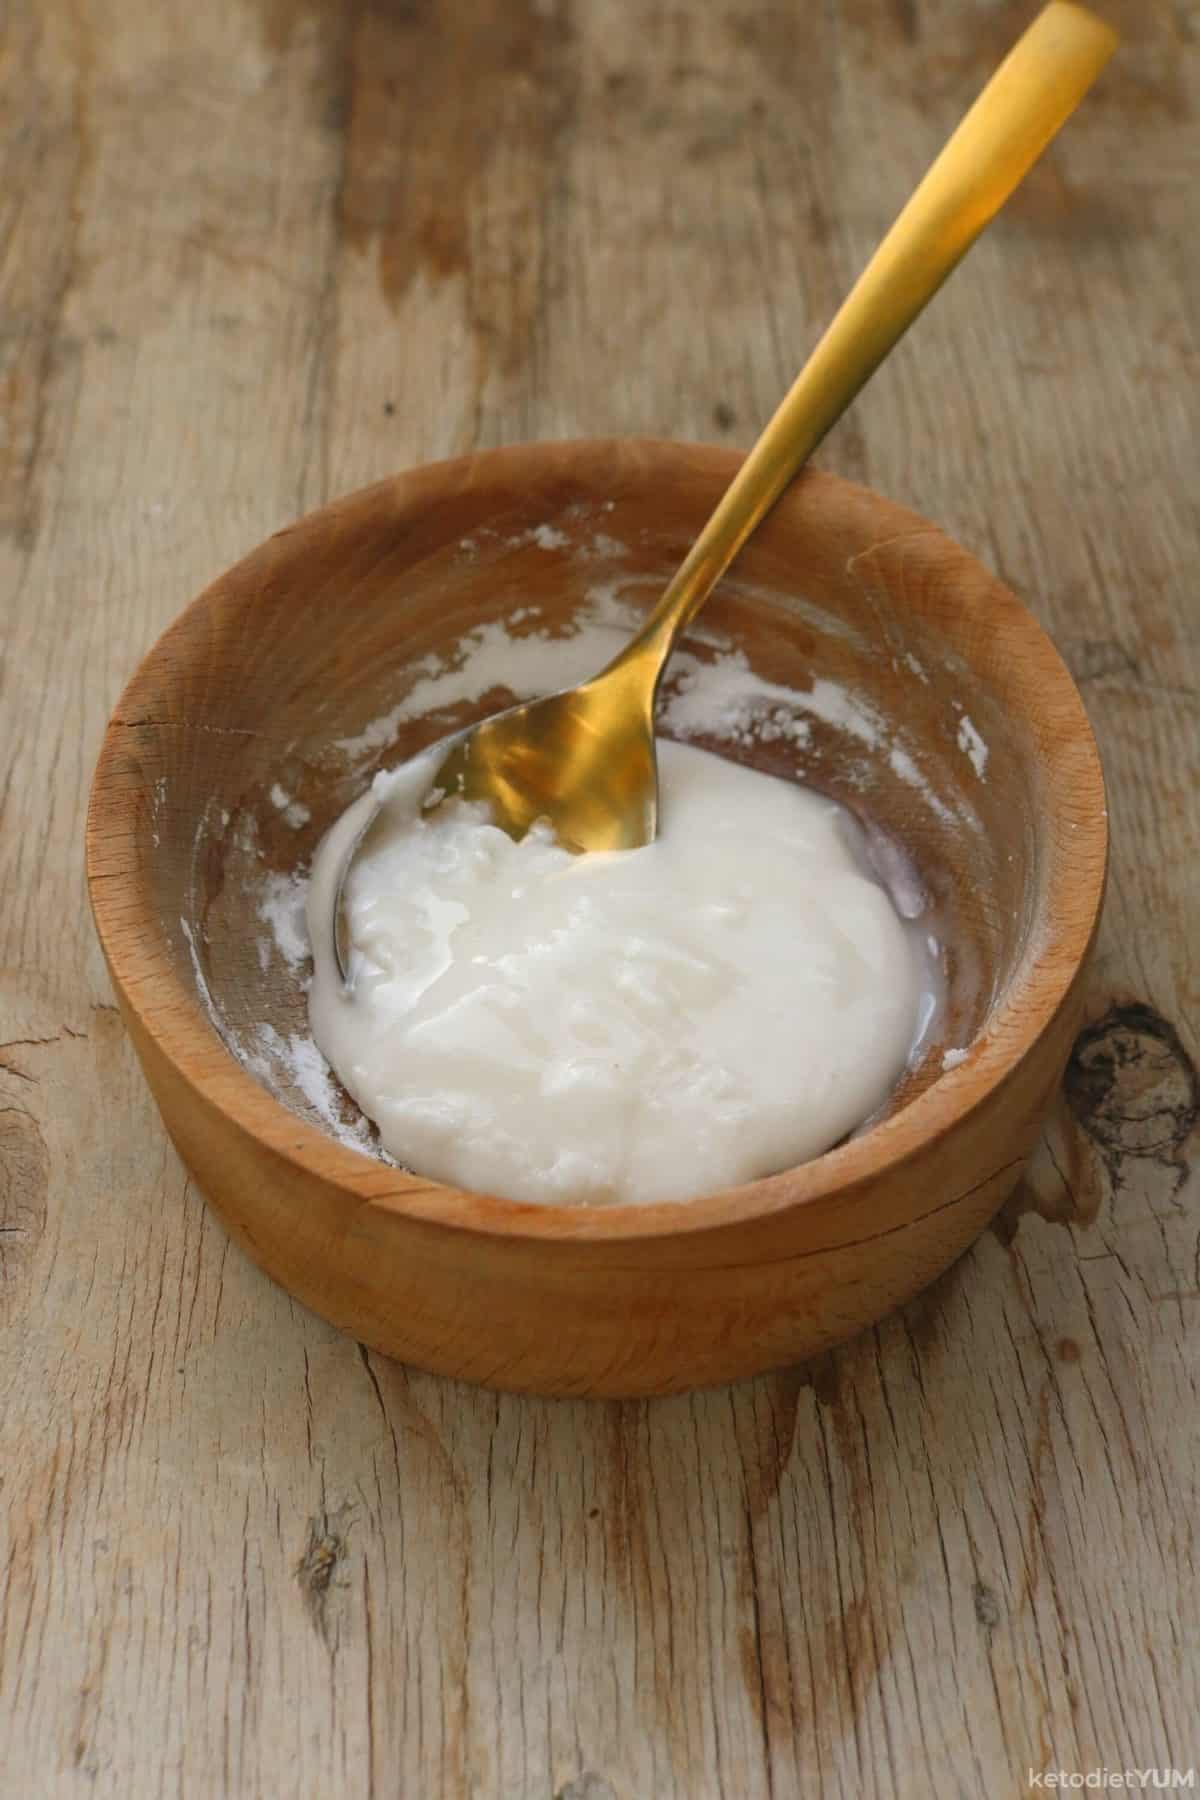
(585,766)
(582,759)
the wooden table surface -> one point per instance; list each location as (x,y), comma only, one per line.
(257,253)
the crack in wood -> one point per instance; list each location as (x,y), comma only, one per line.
(325,1554)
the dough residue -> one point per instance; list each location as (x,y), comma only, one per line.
(641,1025)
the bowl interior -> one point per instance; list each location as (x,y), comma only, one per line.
(922,704)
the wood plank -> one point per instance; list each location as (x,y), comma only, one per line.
(255,254)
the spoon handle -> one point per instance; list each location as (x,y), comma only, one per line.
(1030,96)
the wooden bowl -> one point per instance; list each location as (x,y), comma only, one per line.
(984,769)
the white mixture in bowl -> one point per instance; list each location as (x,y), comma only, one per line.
(645,1025)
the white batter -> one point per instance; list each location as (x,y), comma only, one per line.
(644,1025)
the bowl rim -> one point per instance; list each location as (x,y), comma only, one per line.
(1073,790)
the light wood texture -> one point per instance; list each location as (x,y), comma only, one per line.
(298,649)
(258,255)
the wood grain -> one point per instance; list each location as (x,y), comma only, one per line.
(237,1554)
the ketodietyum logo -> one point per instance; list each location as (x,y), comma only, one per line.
(1133,1780)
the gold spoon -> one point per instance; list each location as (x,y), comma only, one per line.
(584,759)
